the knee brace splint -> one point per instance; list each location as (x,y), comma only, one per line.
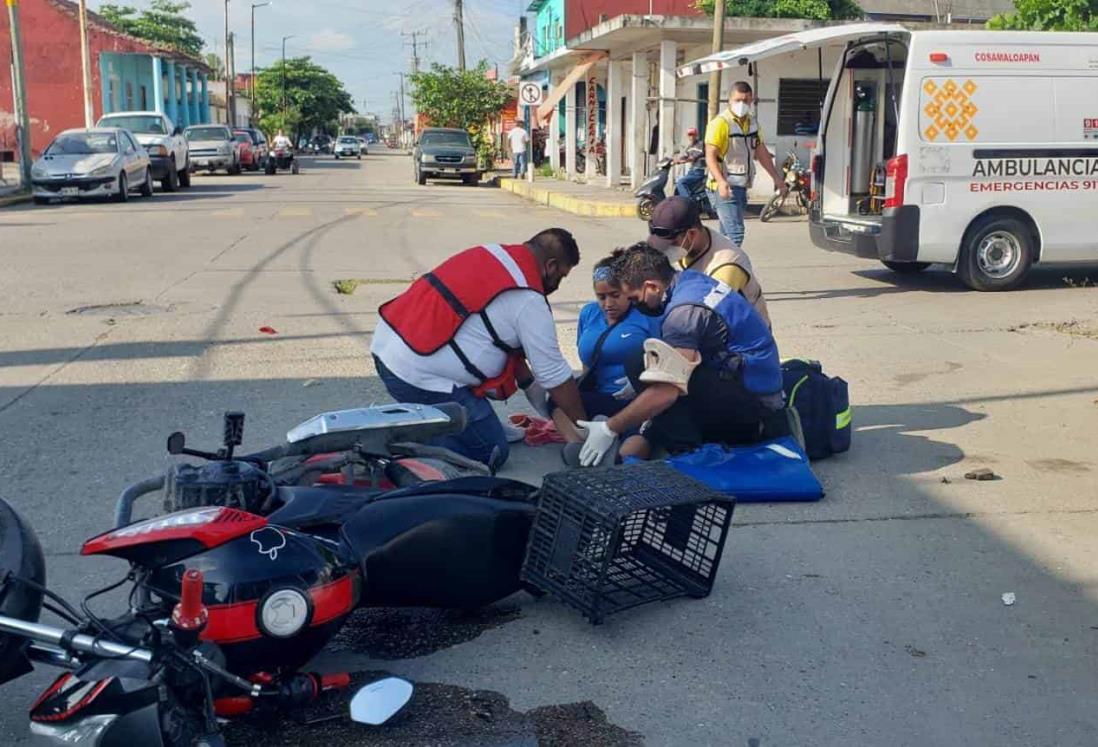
(664,364)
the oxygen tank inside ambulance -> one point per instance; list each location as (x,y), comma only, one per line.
(859,132)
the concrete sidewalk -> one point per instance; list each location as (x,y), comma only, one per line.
(580,199)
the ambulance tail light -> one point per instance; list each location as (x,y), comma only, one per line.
(817,169)
(895,181)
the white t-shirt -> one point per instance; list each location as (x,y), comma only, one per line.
(518,138)
(281,141)
(521,318)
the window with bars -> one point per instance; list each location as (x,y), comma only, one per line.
(799,103)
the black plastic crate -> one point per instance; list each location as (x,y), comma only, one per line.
(605,540)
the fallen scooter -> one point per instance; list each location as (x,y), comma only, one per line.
(252,573)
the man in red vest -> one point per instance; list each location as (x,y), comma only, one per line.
(476,327)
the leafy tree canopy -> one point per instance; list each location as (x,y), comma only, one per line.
(817,10)
(164,22)
(1049,15)
(315,94)
(449,97)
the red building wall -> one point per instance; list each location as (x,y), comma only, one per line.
(581,15)
(54,79)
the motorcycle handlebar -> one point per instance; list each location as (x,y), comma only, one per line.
(73,642)
(123,508)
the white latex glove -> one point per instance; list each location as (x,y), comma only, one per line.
(626,391)
(600,439)
(538,398)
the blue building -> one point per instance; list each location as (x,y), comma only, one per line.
(174,85)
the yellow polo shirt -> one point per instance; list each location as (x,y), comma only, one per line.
(716,134)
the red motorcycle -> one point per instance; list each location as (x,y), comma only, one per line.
(256,566)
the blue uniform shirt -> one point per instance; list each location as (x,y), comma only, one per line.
(625,339)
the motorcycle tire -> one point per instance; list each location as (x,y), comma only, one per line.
(20,554)
(772,208)
(645,206)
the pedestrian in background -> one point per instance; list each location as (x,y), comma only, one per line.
(732,145)
(519,139)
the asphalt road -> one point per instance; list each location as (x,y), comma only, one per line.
(872,617)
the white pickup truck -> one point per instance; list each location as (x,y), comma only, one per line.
(168,153)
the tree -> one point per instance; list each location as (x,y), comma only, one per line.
(162,23)
(217,65)
(1049,15)
(312,92)
(449,97)
(817,10)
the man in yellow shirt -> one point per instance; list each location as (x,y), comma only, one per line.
(676,230)
(732,145)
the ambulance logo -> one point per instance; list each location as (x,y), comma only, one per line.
(950,111)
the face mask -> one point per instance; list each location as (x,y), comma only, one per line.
(674,253)
(740,108)
(647,310)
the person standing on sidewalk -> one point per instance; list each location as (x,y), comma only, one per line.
(519,139)
(732,145)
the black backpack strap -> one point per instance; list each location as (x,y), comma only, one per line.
(587,381)
(473,370)
(496,339)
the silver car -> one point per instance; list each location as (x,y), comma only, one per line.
(212,147)
(347,146)
(98,162)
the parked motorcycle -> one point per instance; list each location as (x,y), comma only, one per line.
(654,191)
(797,178)
(252,573)
(281,159)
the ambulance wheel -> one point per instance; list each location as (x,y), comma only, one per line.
(996,253)
(905,268)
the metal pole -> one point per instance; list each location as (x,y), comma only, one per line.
(459,22)
(228,87)
(22,116)
(718,44)
(255,107)
(284,72)
(85,63)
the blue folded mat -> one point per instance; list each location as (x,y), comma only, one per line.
(769,471)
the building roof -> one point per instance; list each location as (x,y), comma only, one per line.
(959,10)
(100,23)
(536,5)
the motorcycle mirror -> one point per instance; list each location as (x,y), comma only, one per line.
(176,443)
(379,701)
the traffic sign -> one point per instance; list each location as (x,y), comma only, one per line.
(529,93)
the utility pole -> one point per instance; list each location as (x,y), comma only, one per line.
(291,36)
(85,64)
(459,22)
(403,112)
(22,116)
(718,45)
(255,108)
(231,74)
(228,86)
(415,47)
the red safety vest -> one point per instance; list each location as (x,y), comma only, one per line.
(428,315)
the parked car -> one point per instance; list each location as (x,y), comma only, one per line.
(98,162)
(347,146)
(259,143)
(164,141)
(445,153)
(213,147)
(245,151)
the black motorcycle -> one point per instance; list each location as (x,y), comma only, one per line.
(258,563)
(654,191)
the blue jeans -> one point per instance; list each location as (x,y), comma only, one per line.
(686,185)
(483,438)
(731,212)
(518,167)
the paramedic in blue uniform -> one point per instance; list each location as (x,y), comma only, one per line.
(711,375)
(479,327)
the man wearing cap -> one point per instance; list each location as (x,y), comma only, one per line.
(676,229)
(712,375)
(694,154)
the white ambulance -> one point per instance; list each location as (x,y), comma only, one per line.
(976,149)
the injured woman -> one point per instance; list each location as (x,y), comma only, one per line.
(709,371)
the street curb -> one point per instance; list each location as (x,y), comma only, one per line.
(566,202)
(15,199)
